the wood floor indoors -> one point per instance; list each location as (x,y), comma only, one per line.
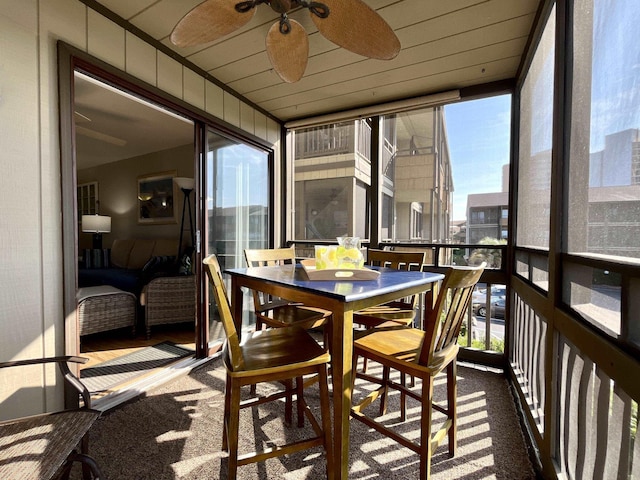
(105,346)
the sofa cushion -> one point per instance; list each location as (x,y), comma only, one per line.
(120,250)
(159,266)
(165,247)
(127,280)
(95,258)
(134,253)
(134,262)
(140,253)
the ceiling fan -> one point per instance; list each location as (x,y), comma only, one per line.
(351,24)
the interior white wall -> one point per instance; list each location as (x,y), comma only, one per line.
(31,295)
(118,192)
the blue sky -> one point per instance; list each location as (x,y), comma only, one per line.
(615,94)
(479,130)
(478,134)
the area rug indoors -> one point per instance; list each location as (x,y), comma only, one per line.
(175,431)
(113,372)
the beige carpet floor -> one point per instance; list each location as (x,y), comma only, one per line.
(174,432)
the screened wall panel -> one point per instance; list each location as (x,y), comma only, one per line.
(603,209)
(604,180)
(534,162)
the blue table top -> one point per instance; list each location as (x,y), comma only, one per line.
(390,280)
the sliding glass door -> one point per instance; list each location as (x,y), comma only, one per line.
(238,212)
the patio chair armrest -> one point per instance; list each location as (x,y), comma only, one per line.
(63,364)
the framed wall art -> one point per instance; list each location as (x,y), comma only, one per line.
(156,195)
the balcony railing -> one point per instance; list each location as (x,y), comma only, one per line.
(336,139)
(389,156)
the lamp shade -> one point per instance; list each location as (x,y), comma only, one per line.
(185,183)
(96,223)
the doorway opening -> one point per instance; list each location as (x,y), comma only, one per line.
(136,296)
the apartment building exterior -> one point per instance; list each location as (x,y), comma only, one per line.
(333,178)
(614,196)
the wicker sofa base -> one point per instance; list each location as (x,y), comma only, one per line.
(105,308)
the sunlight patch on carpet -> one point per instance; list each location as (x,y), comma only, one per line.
(113,372)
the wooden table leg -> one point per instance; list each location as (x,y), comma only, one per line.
(236,304)
(341,370)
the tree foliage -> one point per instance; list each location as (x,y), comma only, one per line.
(493,256)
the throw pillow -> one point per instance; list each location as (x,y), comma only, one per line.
(159,266)
(150,264)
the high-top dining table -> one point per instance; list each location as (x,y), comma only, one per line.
(342,297)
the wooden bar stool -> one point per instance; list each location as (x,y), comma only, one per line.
(272,355)
(423,354)
(276,312)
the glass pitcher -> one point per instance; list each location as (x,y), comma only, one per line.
(348,253)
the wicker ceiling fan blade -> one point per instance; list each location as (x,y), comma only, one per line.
(209,21)
(288,52)
(355,26)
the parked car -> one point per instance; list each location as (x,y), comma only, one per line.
(497,308)
(480,293)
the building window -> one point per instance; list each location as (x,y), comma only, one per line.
(87,199)
(477,217)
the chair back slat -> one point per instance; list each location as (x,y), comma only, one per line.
(268,257)
(234,354)
(396,260)
(413,261)
(444,321)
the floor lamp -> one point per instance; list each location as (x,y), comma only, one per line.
(186,185)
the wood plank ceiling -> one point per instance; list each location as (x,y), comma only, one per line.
(445,45)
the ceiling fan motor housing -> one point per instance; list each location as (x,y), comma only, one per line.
(280,6)
(284,6)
